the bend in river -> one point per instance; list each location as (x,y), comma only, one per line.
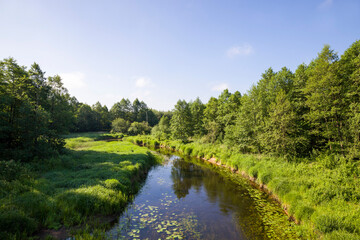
(189,199)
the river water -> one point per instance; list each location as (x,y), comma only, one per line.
(187,198)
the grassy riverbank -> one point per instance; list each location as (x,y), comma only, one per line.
(322,193)
(94,178)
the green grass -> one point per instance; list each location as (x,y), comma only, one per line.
(95,177)
(322,193)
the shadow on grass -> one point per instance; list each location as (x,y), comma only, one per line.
(80,185)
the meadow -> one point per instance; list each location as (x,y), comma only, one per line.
(90,184)
(321,193)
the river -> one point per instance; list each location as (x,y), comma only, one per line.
(187,198)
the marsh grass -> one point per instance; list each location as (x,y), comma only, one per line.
(94,177)
(322,192)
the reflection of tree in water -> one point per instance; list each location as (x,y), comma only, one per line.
(230,196)
(185,175)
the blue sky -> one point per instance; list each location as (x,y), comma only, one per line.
(162,51)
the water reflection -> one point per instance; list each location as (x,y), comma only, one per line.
(234,198)
(190,199)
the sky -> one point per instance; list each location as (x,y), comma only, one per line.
(161,51)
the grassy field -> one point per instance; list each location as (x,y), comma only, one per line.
(322,193)
(96,177)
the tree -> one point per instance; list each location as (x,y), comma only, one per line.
(61,106)
(162,130)
(139,128)
(122,109)
(102,115)
(86,119)
(325,94)
(221,113)
(26,120)
(243,135)
(281,127)
(197,114)
(181,122)
(120,125)
(210,120)
(349,71)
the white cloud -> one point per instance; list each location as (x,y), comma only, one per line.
(73,80)
(326,4)
(142,82)
(243,50)
(220,87)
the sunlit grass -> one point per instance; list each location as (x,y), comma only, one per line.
(94,177)
(322,193)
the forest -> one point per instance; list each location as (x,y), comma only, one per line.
(297,132)
(293,114)
(36,111)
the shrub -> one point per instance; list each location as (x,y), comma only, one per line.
(139,128)
(120,125)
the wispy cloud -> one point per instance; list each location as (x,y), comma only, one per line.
(243,50)
(142,82)
(326,4)
(143,88)
(73,80)
(220,87)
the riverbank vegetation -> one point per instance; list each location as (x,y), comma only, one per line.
(93,178)
(322,193)
(297,132)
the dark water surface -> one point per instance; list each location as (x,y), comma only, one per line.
(190,199)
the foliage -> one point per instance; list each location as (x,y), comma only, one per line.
(120,125)
(33,112)
(181,122)
(139,128)
(94,177)
(162,130)
(323,195)
(314,110)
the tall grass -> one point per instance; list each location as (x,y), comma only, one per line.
(95,177)
(322,193)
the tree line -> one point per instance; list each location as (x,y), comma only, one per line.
(314,109)
(35,111)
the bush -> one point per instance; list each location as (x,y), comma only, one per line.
(139,128)
(120,125)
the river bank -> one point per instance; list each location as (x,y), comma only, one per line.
(187,198)
(88,185)
(321,194)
